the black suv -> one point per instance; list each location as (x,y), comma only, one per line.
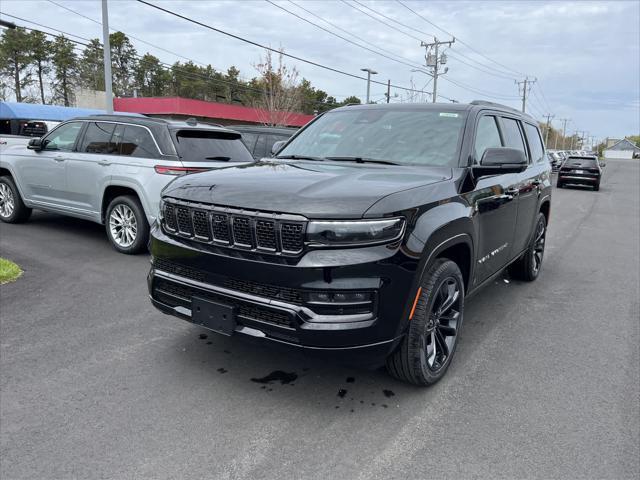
(363,237)
(580,170)
(260,139)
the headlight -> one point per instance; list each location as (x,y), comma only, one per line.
(160,210)
(355,232)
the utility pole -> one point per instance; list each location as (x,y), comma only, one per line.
(573,138)
(546,133)
(435,60)
(564,131)
(527,84)
(107,58)
(369,73)
(388,94)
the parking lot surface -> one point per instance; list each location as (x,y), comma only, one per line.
(95,383)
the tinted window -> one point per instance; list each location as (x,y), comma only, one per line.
(32,129)
(203,146)
(581,162)
(535,143)
(407,136)
(487,136)
(63,137)
(97,138)
(249,139)
(135,141)
(512,135)
(261,147)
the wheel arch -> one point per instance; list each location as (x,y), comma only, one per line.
(113,191)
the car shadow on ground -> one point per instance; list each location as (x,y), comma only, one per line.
(237,364)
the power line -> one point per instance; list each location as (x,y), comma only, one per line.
(167,67)
(459,40)
(341,37)
(395,21)
(482,68)
(129,35)
(265,47)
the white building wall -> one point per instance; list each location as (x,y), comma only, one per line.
(626,154)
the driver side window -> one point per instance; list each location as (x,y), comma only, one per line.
(487,136)
(64,137)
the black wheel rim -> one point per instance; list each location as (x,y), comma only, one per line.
(443,324)
(538,247)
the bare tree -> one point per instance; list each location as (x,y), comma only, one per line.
(281,95)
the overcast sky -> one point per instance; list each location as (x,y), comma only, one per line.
(584,55)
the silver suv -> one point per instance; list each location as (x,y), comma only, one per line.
(110,169)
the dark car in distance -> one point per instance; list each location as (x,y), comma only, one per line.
(362,238)
(580,170)
(260,139)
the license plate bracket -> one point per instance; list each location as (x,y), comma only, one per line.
(579,171)
(219,317)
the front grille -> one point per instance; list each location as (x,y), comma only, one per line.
(184,221)
(292,237)
(269,233)
(242,232)
(285,294)
(266,234)
(201,224)
(176,269)
(175,294)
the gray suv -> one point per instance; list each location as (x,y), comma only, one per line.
(110,169)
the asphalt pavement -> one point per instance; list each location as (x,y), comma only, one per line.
(95,383)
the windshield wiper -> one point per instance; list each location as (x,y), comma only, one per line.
(222,159)
(299,157)
(361,160)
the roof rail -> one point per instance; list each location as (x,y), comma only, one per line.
(493,104)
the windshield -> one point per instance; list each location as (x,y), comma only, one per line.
(403,136)
(211,146)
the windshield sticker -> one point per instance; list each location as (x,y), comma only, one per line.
(447,114)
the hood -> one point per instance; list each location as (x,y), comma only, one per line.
(313,189)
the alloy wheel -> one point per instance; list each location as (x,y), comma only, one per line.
(442,327)
(123,225)
(7,202)
(538,247)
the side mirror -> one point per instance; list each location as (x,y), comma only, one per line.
(498,161)
(275,148)
(35,144)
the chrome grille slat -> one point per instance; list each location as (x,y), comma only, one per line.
(233,228)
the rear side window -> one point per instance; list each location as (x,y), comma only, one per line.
(512,135)
(97,138)
(535,143)
(487,136)
(135,141)
(209,146)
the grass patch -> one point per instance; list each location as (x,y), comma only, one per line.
(9,271)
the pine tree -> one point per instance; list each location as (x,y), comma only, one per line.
(65,62)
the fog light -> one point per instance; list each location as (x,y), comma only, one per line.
(334,298)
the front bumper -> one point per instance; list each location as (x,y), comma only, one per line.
(269,309)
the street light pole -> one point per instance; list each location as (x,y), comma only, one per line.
(369,73)
(107,58)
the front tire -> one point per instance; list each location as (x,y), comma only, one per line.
(12,208)
(127,225)
(426,351)
(528,266)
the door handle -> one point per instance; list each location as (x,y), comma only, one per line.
(536,183)
(512,191)
(104,163)
(59,159)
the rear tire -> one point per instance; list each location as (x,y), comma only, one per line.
(429,345)
(528,266)
(126,224)
(596,187)
(12,208)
